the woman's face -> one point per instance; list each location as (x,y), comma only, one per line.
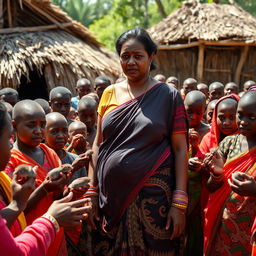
(134,60)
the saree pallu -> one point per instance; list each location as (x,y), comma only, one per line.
(18,158)
(228,216)
(136,145)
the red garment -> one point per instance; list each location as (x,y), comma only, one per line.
(34,240)
(17,158)
(214,208)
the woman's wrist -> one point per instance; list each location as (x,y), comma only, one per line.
(180,199)
(92,191)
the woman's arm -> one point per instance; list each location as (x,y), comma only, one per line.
(177,216)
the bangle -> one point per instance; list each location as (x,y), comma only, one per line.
(92,191)
(53,221)
(180,199)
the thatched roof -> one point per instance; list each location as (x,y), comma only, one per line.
(39,35)
(209,22)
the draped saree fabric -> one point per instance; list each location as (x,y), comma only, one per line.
(136,143)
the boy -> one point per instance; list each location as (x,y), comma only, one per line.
(9,95)
(204,89)
(230,88)
(60,101)
(83,87)
(56,137)
(216,91)
(100,84)
(77,135)
(44,104)
(29,124)
(173,81)
(190,84)
(87,113)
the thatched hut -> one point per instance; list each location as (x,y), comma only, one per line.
(41,47)
(210,42)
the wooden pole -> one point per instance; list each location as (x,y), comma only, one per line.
(1,14)
(32,29)
(241,63)
(200,63)
(9,13)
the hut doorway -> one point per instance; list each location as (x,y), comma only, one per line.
(35,88)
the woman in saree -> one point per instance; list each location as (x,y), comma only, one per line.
(231,207)
(140,159)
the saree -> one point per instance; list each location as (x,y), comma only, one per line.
(136,150)
(18,158)
(228,216)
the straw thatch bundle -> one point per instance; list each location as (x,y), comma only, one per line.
(196,21)
(38,36)
(210,42)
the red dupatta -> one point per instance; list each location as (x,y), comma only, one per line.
(216,202)
(17,158)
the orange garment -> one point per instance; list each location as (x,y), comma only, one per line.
(17,158)
(213,211)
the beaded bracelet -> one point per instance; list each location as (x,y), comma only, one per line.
(180,199)
(92,191)
(53,221)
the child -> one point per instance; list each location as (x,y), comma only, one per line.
(190,84)
(209,111)
(35,239)
(230,88)
(72,114)
(231,209)
(9,95)
(204,89)
(87,113)
(77,133)
(83,87)
(195,103)
(60,101)
(216,91)
(100,84)
(56,137)
(173,81)
(29,124)
(161,78)
(44,104)
(248,84)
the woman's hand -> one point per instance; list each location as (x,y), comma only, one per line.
(21,192)
(176,217)
(94,213)
(243,184)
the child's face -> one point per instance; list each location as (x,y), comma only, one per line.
(5,143)
(229,89)
(77,130)
(100,86)
(209,113)
(195,114)
(30,130)
(56,134)
(226,119)
(246,119)
(83,90)
(216,94)
(88,116)
(188,88)
(61,104)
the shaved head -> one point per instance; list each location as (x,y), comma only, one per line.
(26,108)
(60,91)
(249,98)
(76,125)
(195,98)
(216,85)
(54,117)
(87,102)
(227,103)
(248,84)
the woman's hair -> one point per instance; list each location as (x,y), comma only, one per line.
(3,115)
(141,36)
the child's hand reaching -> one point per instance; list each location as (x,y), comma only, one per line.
(242,184)
(194,164)
(77,141)
(194,138)
(214,162)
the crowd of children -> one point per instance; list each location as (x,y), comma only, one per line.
(46,136)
